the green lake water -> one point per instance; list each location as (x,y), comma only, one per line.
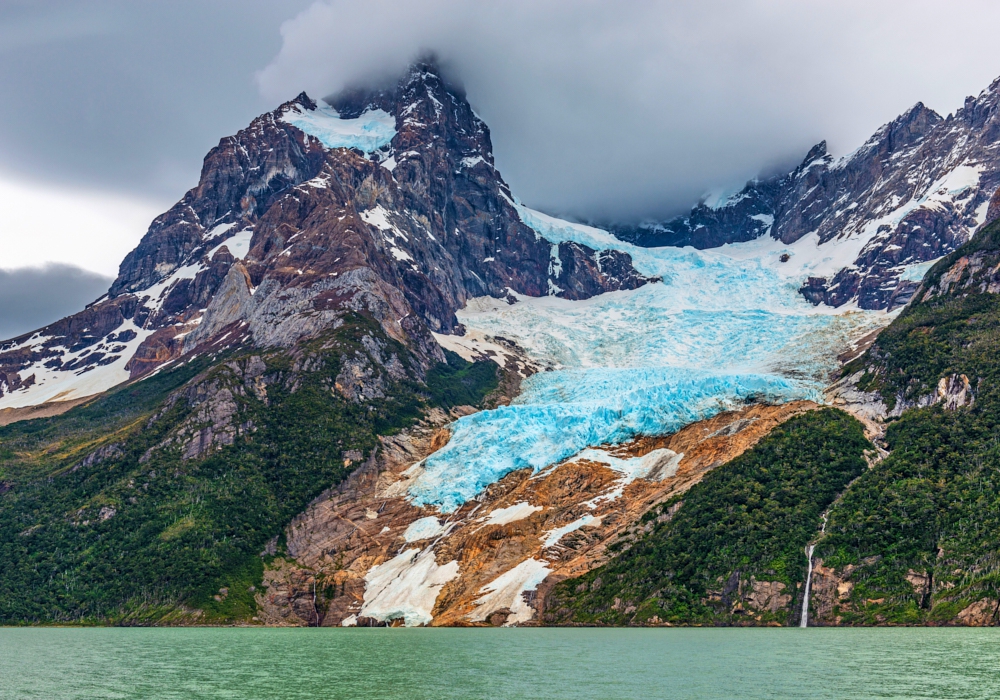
(499,663)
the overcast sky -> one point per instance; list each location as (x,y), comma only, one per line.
(597,109)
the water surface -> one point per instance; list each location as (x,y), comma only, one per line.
(499,663)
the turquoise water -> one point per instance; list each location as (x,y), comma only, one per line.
(499,663)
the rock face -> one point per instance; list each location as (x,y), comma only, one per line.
(386,202)
(362,554)
(915,191)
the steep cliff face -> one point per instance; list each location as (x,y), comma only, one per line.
(913,192)
(386,203)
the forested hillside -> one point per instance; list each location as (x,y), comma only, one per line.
(154,503)
(732,549)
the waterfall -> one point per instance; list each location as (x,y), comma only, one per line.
(804,622)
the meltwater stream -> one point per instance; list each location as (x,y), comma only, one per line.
(723,328)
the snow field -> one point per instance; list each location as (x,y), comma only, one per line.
(53,384)
(406,586)
(506,591)
(424,529)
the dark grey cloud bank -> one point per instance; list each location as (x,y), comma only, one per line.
(597,108)
(129,95)
(35,296)
(626,109)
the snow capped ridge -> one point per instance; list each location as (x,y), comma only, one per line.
(314,208)
(888,191)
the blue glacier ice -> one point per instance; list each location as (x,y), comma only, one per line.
(725,327)
(369,132)
(561,413)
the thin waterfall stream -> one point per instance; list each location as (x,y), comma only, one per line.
(804,622)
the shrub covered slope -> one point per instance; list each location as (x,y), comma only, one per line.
(732,549)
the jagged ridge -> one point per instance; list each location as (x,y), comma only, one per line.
(913,192)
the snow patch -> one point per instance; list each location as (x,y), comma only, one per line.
(507,592)
(510,514)
(406,586)
(474,346)
(553,536)
(655,466)
(377,217)
(369,132)
(424,529)
(399,253)
(218,231)
(238,244)
(916,272)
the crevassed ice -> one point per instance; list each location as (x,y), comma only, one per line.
(369,132)
(723,328)
(561,413)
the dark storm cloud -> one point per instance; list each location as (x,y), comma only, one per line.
(631,108)
(35,296)
(129,95)
(620,109)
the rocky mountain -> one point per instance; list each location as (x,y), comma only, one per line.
(349,379)
(384,202)
(916,190)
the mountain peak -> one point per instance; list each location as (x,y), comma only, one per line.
(815,153)
(389,204)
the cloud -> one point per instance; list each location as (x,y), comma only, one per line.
(90,229)
(126,95)
(626,109)
(35,296)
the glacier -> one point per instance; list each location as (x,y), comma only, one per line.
(369,132)
(724,328)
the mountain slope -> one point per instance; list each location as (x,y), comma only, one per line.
(293,442)
(393,208)
(914,541)
(153,504)
(731,549)
(913,192)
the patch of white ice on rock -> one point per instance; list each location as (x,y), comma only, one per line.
(406,587)
(507,592)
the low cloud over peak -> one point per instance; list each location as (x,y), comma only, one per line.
(631,110)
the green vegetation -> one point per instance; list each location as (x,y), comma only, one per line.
(955,333)
(457,382)
(913,540)
(747,520)
(921,531)
(146,536)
